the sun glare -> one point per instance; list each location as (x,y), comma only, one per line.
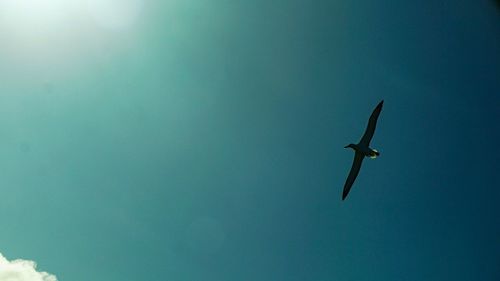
(33,14)
(54,28)
(37,14)
(115,14)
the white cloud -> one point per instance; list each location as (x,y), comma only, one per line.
(22,270)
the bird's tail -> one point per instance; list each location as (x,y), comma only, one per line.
(374,154)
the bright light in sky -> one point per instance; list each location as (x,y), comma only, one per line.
(55,28)
(115,14)
(33,14)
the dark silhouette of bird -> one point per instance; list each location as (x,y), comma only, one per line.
(362,149)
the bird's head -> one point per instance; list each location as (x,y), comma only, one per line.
(349,146)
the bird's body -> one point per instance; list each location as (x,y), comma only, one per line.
(362,150)
(365,150)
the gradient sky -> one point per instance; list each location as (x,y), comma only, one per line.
(203,140)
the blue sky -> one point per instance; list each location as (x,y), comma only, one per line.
(203,140)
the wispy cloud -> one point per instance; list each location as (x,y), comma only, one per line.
(22,270)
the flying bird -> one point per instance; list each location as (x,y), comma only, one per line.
(362,149)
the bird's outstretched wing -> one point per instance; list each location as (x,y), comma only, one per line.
(372,124)
(356,165)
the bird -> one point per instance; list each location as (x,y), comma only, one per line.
(362,149)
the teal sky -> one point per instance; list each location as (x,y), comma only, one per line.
(203,140)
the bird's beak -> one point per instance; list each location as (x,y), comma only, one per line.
(346,146)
